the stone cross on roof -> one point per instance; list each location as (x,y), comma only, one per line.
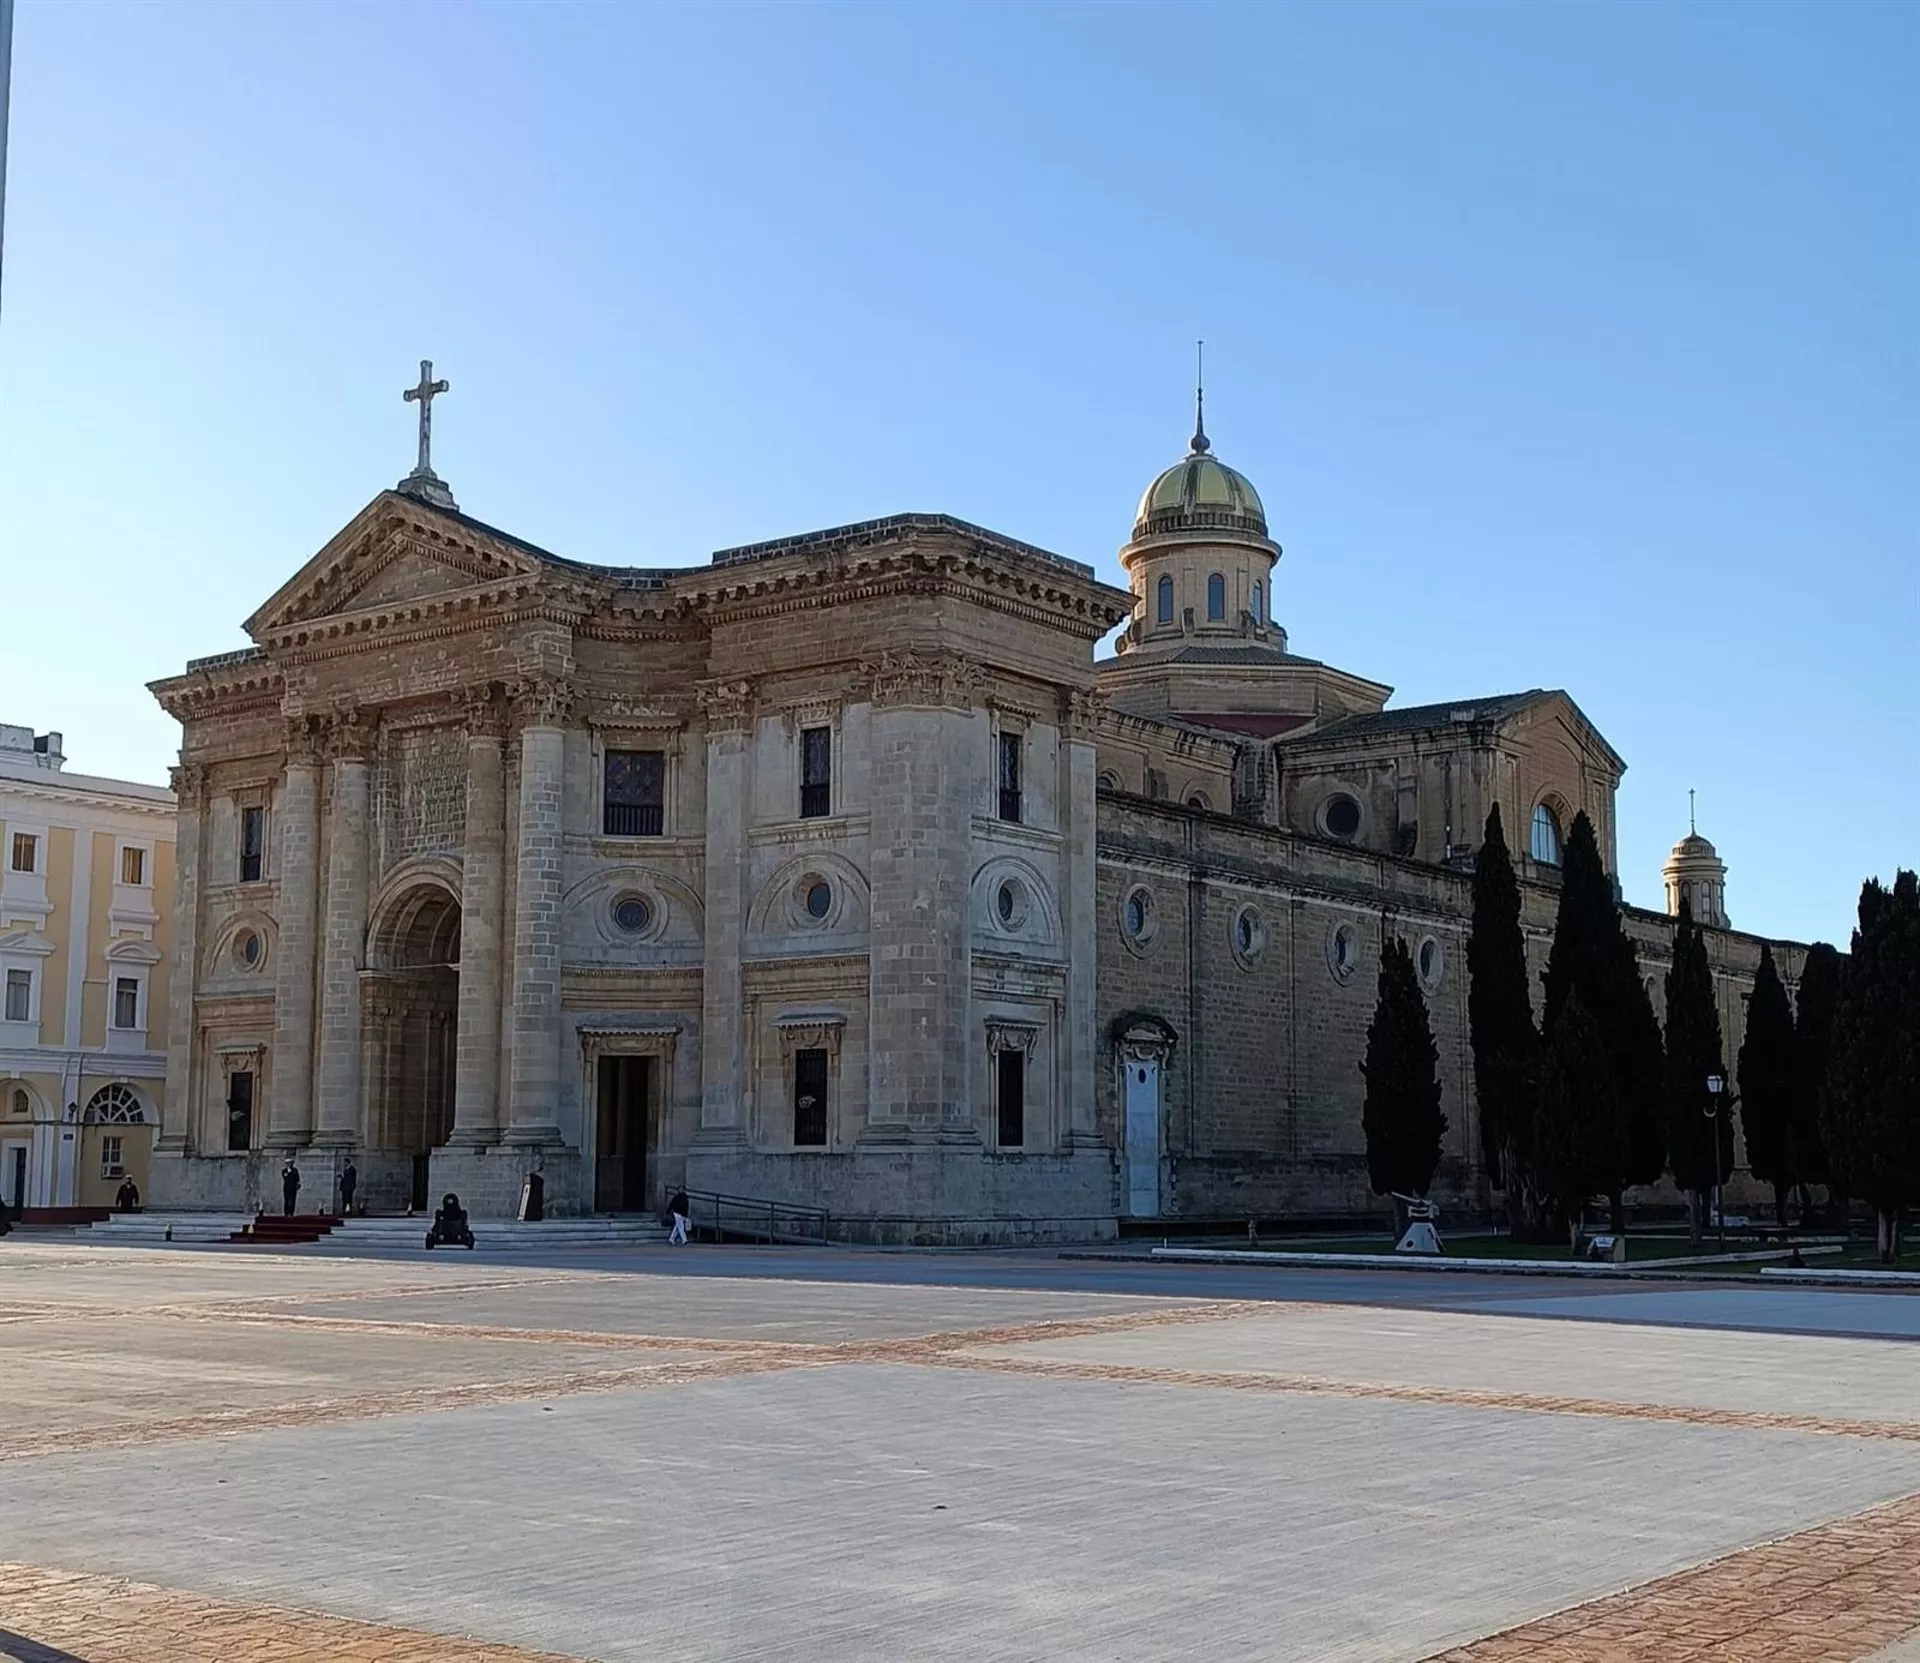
(423,483)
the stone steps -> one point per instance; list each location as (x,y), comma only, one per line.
(493,1234)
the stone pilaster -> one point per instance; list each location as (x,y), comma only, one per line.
(295,855)
(921,959)
(728,709)
(176,1104)
(344,938)
(538,887)
(1079,775)
(476,1083)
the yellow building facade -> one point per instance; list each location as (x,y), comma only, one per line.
(86,904)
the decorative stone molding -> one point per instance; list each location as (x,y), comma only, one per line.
(485,713)
(541,701)
(617,1036)
(350,734)
(1142,1036)
(1006,1035)
(820,712)
(1080,714)
(728,706)
(942,680)
(305,741)
(188,782)
(810,1031)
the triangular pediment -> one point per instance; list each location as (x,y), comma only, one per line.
(392,552)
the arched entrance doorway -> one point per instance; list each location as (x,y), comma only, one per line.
(412,1000)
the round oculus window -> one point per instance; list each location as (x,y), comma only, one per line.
(819,898)
(1341,817)
(1429,961)
(1246,933)
(1007,902)
(632,914)
(1136,916)
(251,949)
(1343,952)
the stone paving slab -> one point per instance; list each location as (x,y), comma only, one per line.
(1800,1310)
(1775,1374)
(66,1375)
(786,1312)
(881,1512)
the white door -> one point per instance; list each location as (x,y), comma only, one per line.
(1143,1138)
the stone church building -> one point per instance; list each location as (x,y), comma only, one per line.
(838,871)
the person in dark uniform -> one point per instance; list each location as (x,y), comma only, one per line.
(290,1185)
(349,1182)
(127,1196)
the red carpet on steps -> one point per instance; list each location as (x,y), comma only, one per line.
(278,1230)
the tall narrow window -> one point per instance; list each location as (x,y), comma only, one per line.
(816,773)
(126,1002)
(1259,597)
(111,1165)
(1545,844)
(133,867)
(26,852)
(1163,600)
(1012,1097)
(810,1099)
(1010,777)
(1216,598)
(239,1111)
(19,994)
(253,843)
(634,802)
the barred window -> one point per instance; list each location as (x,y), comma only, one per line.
(253,843)
(634,801)
(816,773)
(1010,777)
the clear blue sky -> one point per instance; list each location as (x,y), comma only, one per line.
(1569,345)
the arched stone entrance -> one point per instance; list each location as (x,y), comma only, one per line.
(411,1001)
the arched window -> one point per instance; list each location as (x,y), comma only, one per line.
(1259,617)
(1216,598)
(1546,836)
(117,1106)
(1163,602)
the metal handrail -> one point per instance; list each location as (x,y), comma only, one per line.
(757,1218)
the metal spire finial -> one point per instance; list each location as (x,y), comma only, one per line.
(1693,827)
(423,482)
(1200,445)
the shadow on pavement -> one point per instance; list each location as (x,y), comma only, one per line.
(17,1648)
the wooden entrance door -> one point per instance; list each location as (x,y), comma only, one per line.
(620,1148)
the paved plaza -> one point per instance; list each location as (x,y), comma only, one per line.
(208,1456)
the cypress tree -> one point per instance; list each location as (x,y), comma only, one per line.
(1872,1099)
(1592,955)
(1570,1132)
(1506,1044)
(1767,1085)
(1401,1118)
(1821,978)
(1694,1051)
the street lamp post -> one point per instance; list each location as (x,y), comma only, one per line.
(1715,1086)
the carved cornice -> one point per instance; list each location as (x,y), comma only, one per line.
(1005,1035)
(188,782)
(350,734)
(1080,713)
(485,713)
(728,706)
(944,680)
(305,741)
(541,701)
(810,1033)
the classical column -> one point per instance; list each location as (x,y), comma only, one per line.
(1079,773)
(925,762)
(728,709)
(176,1105)
(476,1080)
(344,940)
(296,838)
(538,885)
